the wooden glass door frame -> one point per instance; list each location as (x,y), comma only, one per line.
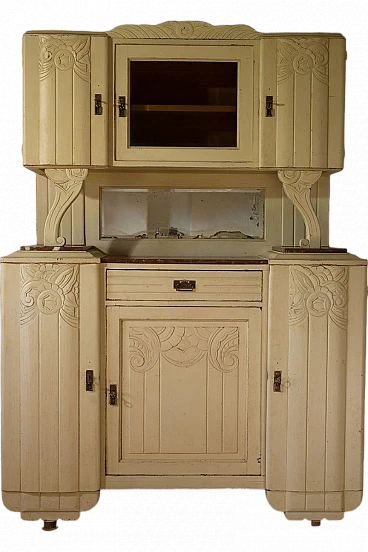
(247,102)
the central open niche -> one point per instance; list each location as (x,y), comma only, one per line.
(194,214)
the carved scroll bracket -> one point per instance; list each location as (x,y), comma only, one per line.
(68,184)
(297,186)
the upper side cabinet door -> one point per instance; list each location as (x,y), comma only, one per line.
(184,104)
(61,71)
(305,75)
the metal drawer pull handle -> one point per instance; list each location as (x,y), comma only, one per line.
(184,285)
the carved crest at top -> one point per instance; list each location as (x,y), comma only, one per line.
(189,30)
(65,52)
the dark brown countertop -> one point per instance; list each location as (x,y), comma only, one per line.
(246,260)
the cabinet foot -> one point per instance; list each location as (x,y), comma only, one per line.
(316,522)
(49,525)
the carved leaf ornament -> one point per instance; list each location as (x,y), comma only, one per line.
(49,289)
(317,291)
(184,346)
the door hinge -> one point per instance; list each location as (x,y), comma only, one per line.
(122,106)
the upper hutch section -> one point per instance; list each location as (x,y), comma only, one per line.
(183,94)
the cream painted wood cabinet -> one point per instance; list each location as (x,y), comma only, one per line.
(182,320)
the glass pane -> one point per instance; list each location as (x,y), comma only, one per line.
(164,213)
(183,103)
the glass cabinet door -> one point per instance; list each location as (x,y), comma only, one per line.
(184,103)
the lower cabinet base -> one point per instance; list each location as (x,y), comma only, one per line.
(50,506)
(184,482)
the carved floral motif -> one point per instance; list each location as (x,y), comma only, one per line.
(65,52)
(184,346)
(49,289)
(302,56)
(185,29)
(318,290)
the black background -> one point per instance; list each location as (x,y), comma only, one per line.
(125,515)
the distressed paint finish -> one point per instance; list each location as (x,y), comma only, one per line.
(188,387)
(307,451)
(62,74)
(307,129)
(44,351)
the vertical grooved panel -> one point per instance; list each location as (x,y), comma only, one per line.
(30,397)
(277,360)
(336,410)
(183,407)
(81,131)
(285,123)
(231,411)
(214,410)
(64,116)
(90,359)
(31,94)
(68,407)
(336,106)
(297,406)
(49,401)
(41,206)
(151,410)
(99,85)
(302,119)
(316,413)
(355,378)
(10,379)
(135,415)
(323,207)
(250,344)
(267,142)
(47,120)
(319,123)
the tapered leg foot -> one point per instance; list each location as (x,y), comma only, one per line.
(316,522)
(49,525)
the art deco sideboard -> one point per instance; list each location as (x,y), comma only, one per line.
(182,320)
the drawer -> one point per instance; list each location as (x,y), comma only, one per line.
(184,285)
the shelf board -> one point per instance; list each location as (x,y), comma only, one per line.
(182,108)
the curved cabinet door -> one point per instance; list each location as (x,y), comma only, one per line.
(62,74)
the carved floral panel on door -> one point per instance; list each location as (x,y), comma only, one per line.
(181,387)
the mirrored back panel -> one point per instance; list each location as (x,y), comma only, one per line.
(181,213)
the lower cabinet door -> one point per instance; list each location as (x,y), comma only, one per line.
(183,390)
